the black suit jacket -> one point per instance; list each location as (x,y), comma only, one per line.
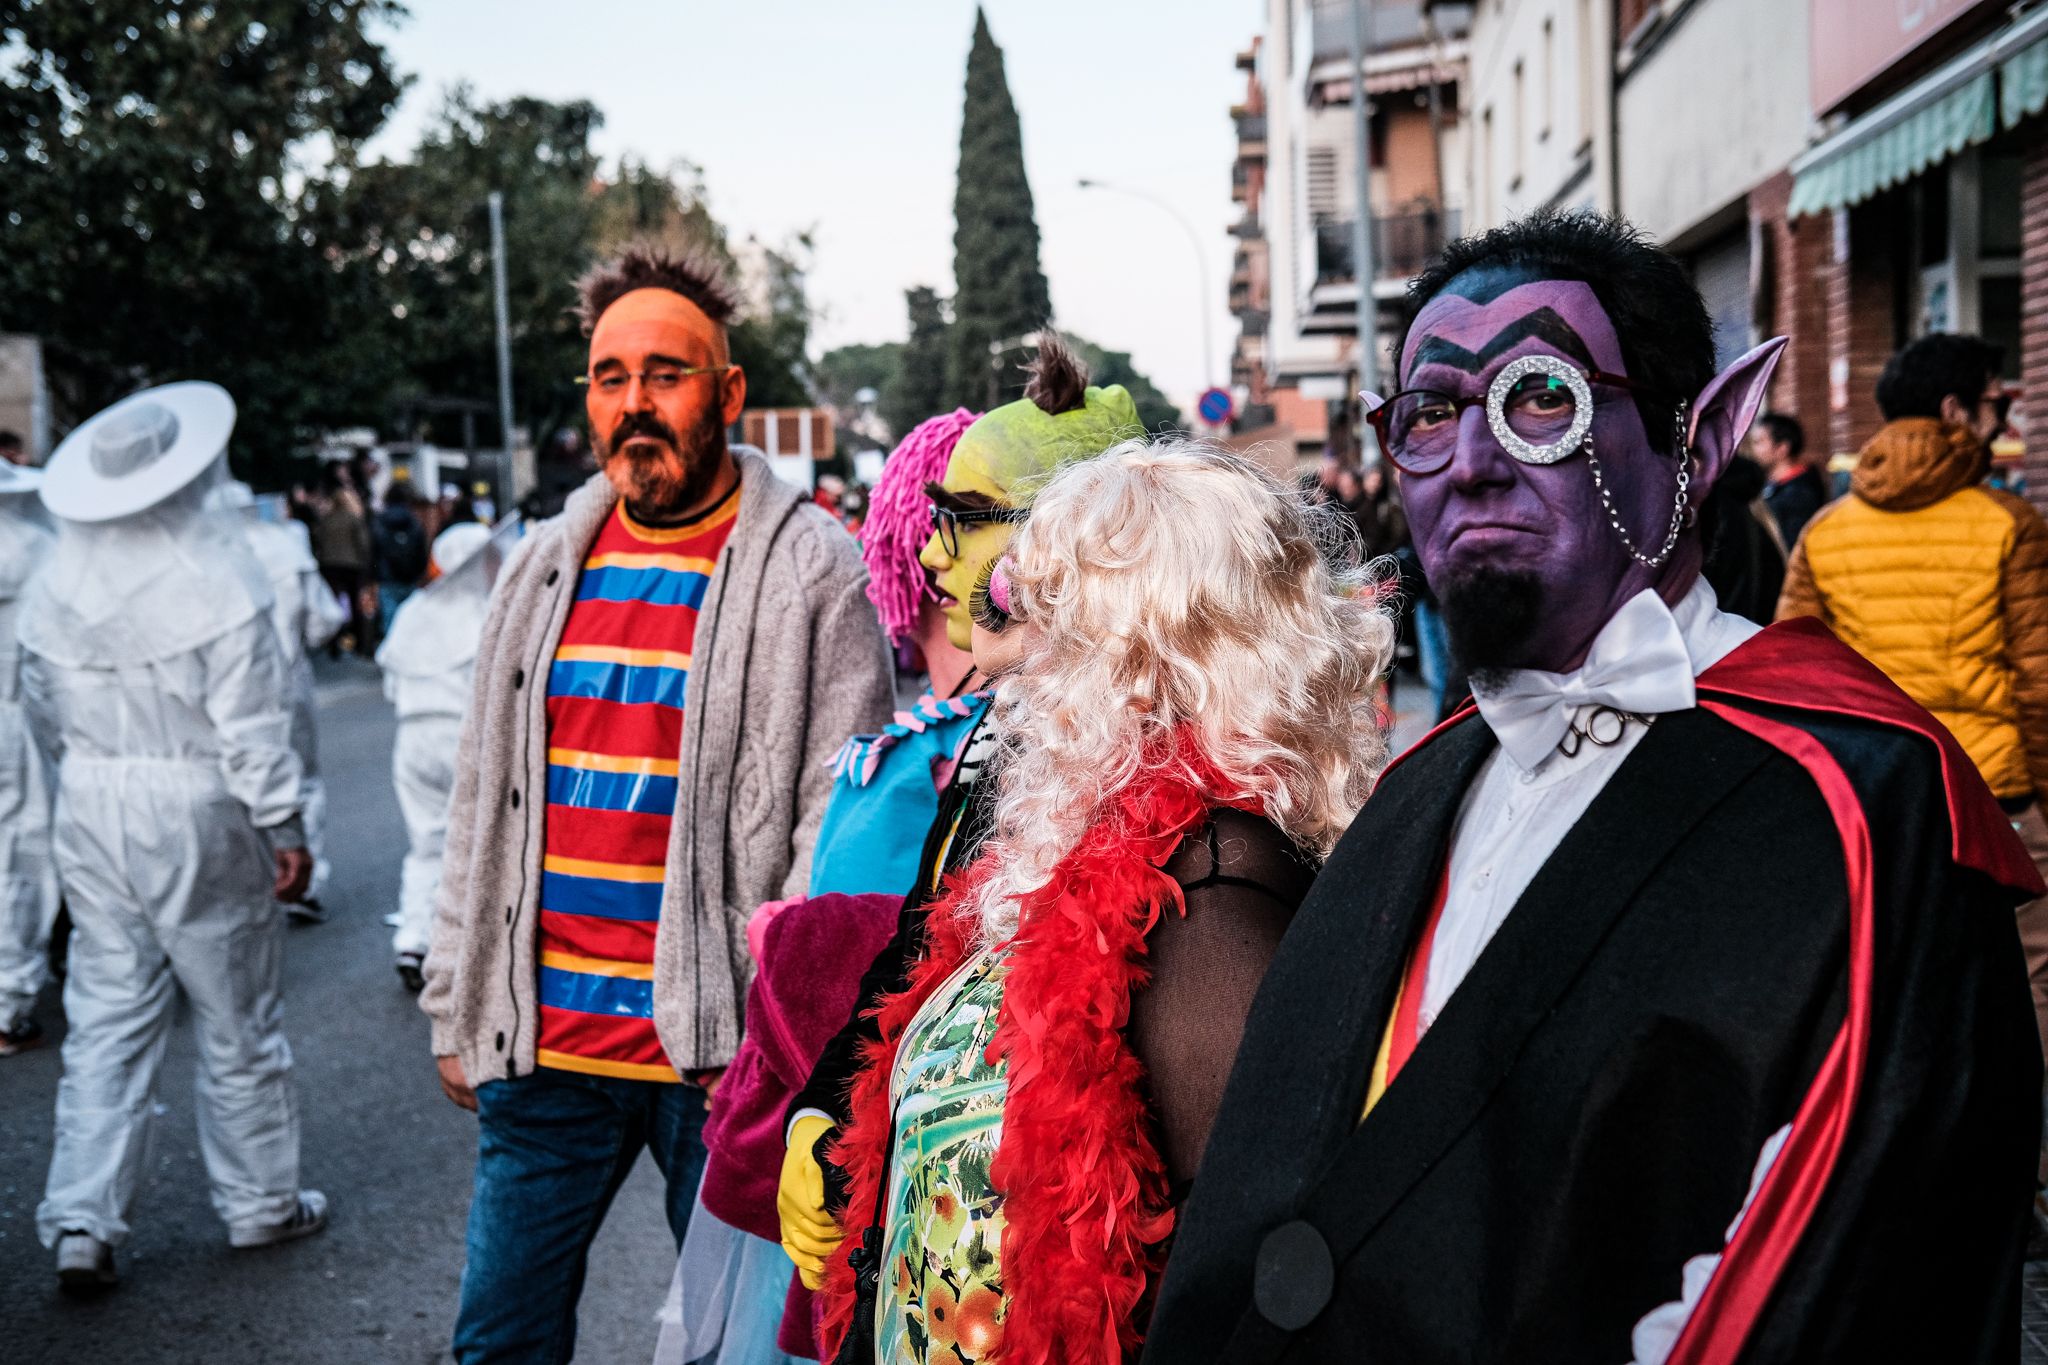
(1587,1110)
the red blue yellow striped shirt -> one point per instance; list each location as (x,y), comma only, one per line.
(615,725)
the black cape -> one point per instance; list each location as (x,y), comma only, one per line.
(1587,1111)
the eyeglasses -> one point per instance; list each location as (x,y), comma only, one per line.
(2001,404)
(947,521)
(655,378)
(1539,407)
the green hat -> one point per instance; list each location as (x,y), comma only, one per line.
(1020,443)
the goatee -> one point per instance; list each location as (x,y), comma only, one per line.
(1490,616)
(665,482)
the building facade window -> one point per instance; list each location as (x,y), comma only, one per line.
(1518,132)
(1487,200)
(1548,94)
(1584,35)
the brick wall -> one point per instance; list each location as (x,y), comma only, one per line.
(1797,254)
(2034,314)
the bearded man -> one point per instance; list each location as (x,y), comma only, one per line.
(666,670)
(1666,1006)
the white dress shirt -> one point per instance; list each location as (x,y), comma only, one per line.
(1515,815)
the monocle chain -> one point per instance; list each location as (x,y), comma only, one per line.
(1678,507)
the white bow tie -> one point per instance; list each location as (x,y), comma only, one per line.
(1638,663)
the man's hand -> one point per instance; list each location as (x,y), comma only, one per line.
(294,874)
(454,1084)
(707,1081)
(809,1234)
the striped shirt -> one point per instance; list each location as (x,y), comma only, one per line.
(615,726)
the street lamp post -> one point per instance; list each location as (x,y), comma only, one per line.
(502,308)
(1201,264)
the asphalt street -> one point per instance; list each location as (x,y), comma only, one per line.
(394,1157)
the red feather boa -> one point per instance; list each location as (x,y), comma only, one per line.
(1084,1188)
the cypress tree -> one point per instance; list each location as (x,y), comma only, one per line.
(999,289)
(918,389)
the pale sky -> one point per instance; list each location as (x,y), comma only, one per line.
(844,116)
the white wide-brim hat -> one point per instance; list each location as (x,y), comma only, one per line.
(133,455)
(19,480)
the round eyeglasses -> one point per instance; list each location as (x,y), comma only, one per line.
(1539,407)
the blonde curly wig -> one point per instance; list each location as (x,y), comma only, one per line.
(1174,590)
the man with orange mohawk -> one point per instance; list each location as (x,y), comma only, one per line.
(666,672)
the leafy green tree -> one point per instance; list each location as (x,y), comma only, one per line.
(773,333)
(918,390)
(165,172)
(845,371)
(1155,409)
(1000,291)
(421,228)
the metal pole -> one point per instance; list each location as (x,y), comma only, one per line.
(1361,227)
(504,311)
(1201,267)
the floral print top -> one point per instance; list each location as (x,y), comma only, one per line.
(941,1294)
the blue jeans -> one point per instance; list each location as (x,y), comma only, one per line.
(553,1148)
(390,597)
(1436,656)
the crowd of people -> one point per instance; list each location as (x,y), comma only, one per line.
(1117,996)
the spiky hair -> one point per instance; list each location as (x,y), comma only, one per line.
(1057,379)
(696,271)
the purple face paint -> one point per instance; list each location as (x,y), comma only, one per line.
(1485,516)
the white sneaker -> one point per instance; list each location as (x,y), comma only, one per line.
(85,1264)
(308,1218)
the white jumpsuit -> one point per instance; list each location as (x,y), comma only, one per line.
(153,679)
(28,876)
(429,663)
(306,617)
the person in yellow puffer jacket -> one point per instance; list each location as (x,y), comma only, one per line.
(1942,582)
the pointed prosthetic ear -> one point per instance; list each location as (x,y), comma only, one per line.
(1727,407)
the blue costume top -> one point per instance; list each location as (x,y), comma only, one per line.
(886,795)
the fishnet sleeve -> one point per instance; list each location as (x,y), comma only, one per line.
(1242,880)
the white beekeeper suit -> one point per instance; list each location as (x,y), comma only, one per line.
(429,663)
(28,877)
(154,682)
(306,616)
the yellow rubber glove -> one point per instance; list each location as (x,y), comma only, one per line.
(808,1233)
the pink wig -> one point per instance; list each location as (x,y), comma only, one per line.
(899,521)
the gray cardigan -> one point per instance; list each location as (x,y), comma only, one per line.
(788,661)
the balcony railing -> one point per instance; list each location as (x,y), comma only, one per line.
(1402,244)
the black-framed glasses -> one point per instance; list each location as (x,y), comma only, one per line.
(654,379)
(947,521)
(2001,405)
(1540,408)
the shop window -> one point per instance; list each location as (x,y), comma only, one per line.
(1998,307)
(2001,182)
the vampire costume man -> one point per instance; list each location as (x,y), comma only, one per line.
(1667,1004)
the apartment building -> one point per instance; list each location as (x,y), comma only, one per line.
(1295,285)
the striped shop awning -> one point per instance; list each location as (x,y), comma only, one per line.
(2002,79)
